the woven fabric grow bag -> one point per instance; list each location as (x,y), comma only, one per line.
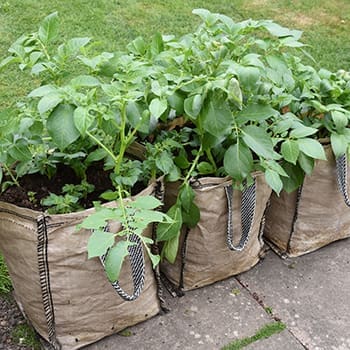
(226,241)
(66,296)
(315,215)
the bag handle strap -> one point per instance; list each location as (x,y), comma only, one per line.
(248,205)
(342,177)
(138,270)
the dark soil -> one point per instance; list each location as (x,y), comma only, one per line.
(10,318)
(43,186)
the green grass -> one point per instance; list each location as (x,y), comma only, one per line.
(263,333)
(25,335)
(113,23)
(5,282)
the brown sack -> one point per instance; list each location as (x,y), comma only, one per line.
(66,296)
(313,216)
(204,256)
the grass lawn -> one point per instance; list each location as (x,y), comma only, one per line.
(113,23)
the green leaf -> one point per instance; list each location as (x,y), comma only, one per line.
(339,144)
(205,168)
(340,120)
(99,242)
(290,151)
(216,116)
(144,217)
(82,119)
(155,259)
(311,148)
(20,151)
(137,119)
(186,196)
(248,77)
(61,127)
(274,180)
(115,259)
(255,112)
(164,162)
(43,91)
(193,106)
(306,163)
(191,217)
(176,101)
(238,161)
(85,81)
(258,140)
(295,177)
(157,107)
(48,31)
(74,45)
(99,219)
(302,131)
(174,174)
(166,231)
(1,174)
(145,202)
(48,102)
(171,248)
(95,156)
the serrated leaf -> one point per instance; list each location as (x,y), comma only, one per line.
(273,179)
(145,202)
(238,161)
(48,30)
(166,231)
(99,242)
(311,148)
(61,127)
(339,144)
(259,141)
(290,151)
(115,259)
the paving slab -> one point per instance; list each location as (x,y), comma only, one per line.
(284,340)
(206,319)
(310,294)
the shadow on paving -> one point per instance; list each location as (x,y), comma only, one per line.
(310,294)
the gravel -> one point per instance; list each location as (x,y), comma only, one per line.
(10,317)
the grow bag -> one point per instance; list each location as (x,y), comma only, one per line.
(66,296)
(227,239)
(315,215)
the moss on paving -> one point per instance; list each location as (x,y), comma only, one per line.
(263,333)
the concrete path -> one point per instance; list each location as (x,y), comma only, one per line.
(309,294)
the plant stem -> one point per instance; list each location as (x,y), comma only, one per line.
(102,145)
(11,175)
(194,164)
(211,159)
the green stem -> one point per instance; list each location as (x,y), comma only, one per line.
(194,164)
(102,146)
(14,180)
(211,159)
